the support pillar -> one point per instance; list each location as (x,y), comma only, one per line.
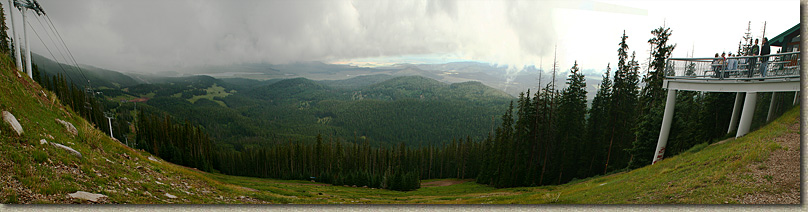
(796,97)
(109,120)
(27,47)
(666,126)
(736,112)
(772,107)
(14,35)
(747,114)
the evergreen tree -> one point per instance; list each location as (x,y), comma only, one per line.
(35,73)
(597,128)
(622,114)
(547,141)
(571,124)
(652,101)
(6,42)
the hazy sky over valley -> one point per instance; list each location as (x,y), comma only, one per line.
(151,35)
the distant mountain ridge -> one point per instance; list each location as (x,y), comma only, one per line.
(97,76)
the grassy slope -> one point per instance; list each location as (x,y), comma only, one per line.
(43,174)
(35,173)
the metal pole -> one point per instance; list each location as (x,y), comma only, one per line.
(14,35)
(27,47)
(747,114)
(770,116)
(109,120)
(736,112)
(764,30)
(666,126)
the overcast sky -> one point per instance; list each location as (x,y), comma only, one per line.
(152,35)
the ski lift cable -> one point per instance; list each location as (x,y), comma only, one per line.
(51,53)
(67,48)
(59,50)
(56,33)
(34,5)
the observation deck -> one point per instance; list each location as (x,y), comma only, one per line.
(746,76)
(782,73)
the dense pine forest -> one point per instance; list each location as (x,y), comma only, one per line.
(545,137)
(414,110)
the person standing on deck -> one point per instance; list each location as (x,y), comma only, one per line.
(716,65)
(732,64)
(764,52)
(754,51)
(723,66)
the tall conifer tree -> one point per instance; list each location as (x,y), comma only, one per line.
(571,123)
(652,100)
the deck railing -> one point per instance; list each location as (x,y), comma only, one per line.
(784,65)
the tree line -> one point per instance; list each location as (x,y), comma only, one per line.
(333,161)
(180,143)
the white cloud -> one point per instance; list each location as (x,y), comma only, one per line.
(156,35)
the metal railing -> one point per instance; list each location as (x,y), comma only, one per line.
(784,65)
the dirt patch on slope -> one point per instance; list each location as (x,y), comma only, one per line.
(443,183)
(781,171)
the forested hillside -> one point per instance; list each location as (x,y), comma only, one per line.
(243,113)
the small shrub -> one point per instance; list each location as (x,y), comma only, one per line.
(697,148)
(774,146)
(17,158)
(100,180)
(29,182)
(55,187)
(40,156)
(13,199)
(768,177)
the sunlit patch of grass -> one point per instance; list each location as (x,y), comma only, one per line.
(213,91)
(59,187)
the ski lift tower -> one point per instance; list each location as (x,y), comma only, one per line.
(109,116)
(14,35)
(23,6)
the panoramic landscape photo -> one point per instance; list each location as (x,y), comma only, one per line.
(400,102)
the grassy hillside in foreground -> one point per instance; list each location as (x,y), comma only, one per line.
(41,173)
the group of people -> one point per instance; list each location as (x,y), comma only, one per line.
(721,63)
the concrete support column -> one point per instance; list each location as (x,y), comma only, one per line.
(796,97)
(27,47)
(666,126)
(736,112)
(14,35)
(747,114)
(772,107)
(109,120)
